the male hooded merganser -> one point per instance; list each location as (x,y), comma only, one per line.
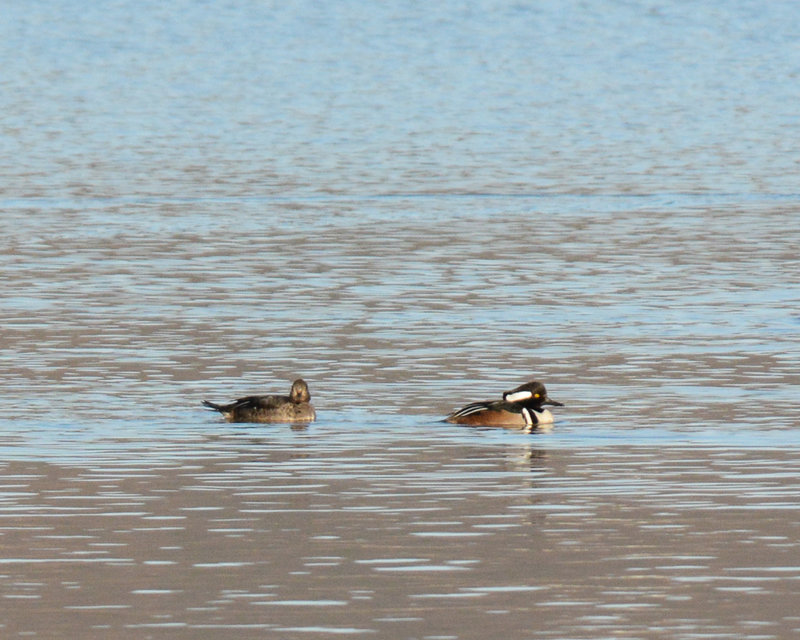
(520,407)
(295,407)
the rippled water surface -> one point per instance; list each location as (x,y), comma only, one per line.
(412,207)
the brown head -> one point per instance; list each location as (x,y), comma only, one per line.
(299,392)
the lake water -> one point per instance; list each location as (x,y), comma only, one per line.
(411,206)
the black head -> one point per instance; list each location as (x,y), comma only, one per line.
(531,394)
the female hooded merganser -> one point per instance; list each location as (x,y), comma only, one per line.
(295,407)
(520,407)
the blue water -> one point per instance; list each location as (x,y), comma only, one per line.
(253,99)
(412,206)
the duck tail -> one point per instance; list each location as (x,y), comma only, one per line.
(211,405)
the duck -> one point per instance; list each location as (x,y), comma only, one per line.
(294,408)
(520,407)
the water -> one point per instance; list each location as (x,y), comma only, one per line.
(412,207)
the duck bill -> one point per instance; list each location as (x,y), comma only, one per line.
(552,402)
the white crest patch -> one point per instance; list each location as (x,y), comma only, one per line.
(518,396)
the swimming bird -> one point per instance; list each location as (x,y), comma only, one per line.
(520,407)
(296,407)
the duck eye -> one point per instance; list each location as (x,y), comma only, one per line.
(535,395)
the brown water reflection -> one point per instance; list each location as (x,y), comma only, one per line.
(452,536)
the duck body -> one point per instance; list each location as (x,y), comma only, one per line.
(294,408)
(520,407)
